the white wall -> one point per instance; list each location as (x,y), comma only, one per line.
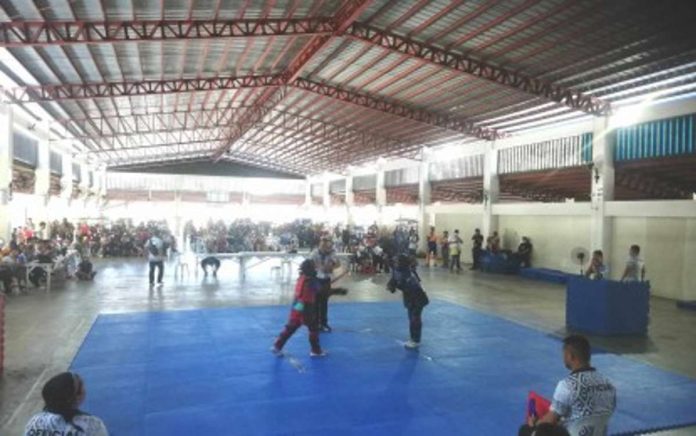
(668,247)
(553,237)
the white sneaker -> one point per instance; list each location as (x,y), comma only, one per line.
(277,351)
(323,353)
(411,344)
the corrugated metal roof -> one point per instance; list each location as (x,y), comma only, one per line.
(614,50)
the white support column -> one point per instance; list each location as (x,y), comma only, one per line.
(425,218)
(43,174)
(380,192)
(102,182)
(178,221)
(308,193)
(6,156)
(326,196)
(602,186)
(491,189)
(350,200)
(84,180)
(66,181)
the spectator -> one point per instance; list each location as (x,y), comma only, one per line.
(455,246)
(635,268)
(156,253)
(412,242)
(444,249)
(494,243)
(584,401)
(44,232)
(524,252)
(477,240)
(432,248)
(85,270)
(39,274)
(63,395)
(597,269)
(345,238)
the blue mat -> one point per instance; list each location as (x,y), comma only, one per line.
(546,275)
(210,372)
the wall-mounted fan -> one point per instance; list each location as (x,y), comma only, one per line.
(579,256)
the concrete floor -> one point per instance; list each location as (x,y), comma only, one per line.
(43,331)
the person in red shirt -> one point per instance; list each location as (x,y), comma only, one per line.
(303,311)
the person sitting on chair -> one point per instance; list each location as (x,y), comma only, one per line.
(63,394)
(585,400)
(597,270)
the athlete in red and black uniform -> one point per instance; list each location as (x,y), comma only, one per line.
(303,310)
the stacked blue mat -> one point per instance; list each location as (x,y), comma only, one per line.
(210,372)
(546,275)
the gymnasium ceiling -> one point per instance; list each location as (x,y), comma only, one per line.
(307,86)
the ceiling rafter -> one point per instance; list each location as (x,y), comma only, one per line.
(438,120)
(483,70)
(68,91)
(42,33)
(350,11)
(130,125)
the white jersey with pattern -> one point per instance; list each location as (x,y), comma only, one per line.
(51,424)
(585,400)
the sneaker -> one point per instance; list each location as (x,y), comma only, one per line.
(277,351)
(322,353)
(411,345)
(325,328)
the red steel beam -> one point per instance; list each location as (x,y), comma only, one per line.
(43,33)
(350,11)
(501,76)
(124,89)
(438,120)
(135,123)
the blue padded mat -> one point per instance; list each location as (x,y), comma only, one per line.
(211,372)
(546,275)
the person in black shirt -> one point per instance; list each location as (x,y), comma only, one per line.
(405,278)
(524,252)
(477,248)
(210,261)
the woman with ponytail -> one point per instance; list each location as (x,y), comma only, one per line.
(63,395)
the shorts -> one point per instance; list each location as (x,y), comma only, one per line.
(432,247)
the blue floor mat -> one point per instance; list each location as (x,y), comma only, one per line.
(211,372)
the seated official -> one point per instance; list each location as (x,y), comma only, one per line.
(212,262)
(585,400)
(63,395)
(597,269)
(39,274)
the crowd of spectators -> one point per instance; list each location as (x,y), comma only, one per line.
(64,249)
